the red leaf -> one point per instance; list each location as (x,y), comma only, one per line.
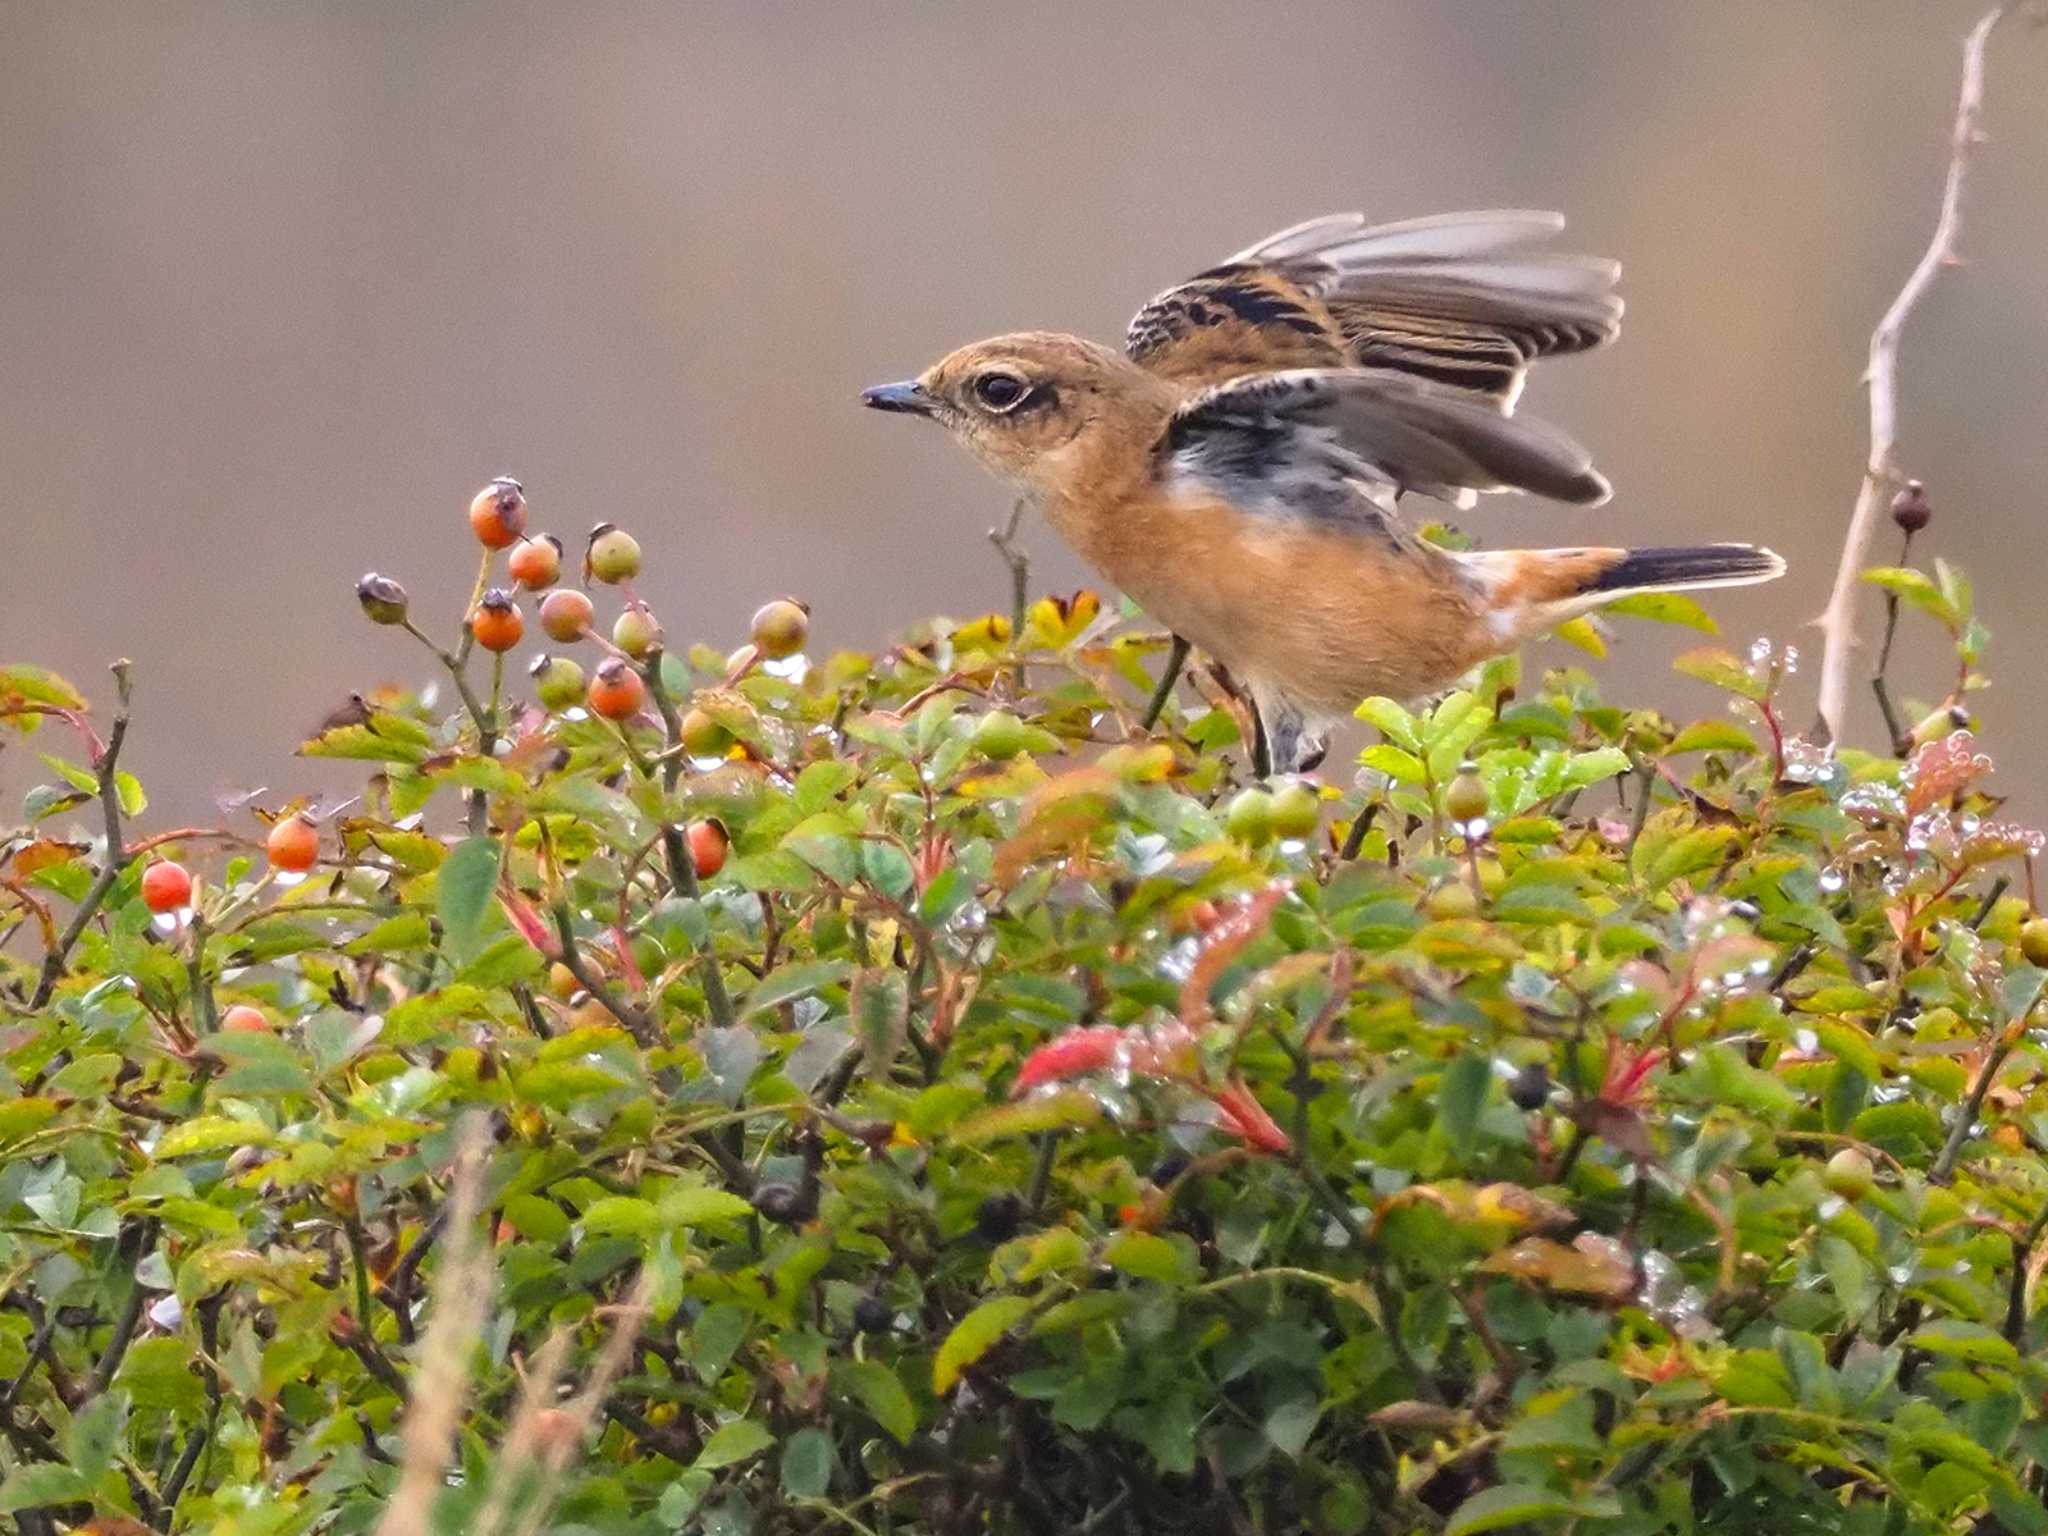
(1245,1118)
(1221,944)
(1091,1048)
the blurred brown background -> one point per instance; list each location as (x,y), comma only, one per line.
(282,282)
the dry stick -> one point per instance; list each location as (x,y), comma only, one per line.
(1837,621)
(104,770)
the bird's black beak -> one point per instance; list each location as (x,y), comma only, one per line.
(909,396)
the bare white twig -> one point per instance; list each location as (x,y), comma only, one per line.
(1880,474)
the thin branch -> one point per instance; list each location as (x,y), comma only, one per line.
(105,768)
(682,870)
(1837,620)
(1019,562)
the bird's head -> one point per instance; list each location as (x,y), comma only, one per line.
(1024,404)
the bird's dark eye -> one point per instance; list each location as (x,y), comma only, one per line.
(999,391)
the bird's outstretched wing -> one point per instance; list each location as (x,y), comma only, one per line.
(1457,298)
(1336,445)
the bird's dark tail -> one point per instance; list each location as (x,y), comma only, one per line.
(1532,589)
(1694,565)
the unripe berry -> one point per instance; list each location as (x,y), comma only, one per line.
(1465,796)
(1849,1174)
(566,614)
(557,682)
(166,886)
(1296,810)
(636,632)
(616,692)
(1249,817)
(497,623)
(382,598)
(780,628)
(1000,735)
(2034,940)
(613,555)
(293,844)
(708,844)
(703,736)
(244,1020)
(537,562)
(562,982)
(1452,899)
(497,514)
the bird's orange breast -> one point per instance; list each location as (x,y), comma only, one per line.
(1330,617)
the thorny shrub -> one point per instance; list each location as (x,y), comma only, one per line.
(904,1097)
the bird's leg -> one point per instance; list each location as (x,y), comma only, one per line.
(1283,734)
(1176,658)
(1262,750)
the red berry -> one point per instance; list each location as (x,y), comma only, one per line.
(496,623)
(708,844)
(616,692)
(293,844)
(537,562)
(566,615)
(497,515)
(244,1020)
(166,886)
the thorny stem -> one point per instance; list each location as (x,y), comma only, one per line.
(105,768)
(2016,1293)
(682,870)
(1005,541)
(1944,1167)
(636,1023)
(1837,620)
(457,663)
(1901,741)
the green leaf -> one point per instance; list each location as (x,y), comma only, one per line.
(467,879)
(1460,1097)
(1494,1509)
(211,1133)
(974,1336)
(807,1464)
(41,1483)
(1664,608)
(162,1373)
(621,1216)
(1719,669)
(734,1442)
(20,684)
(1171,1261)
(789,982)
(876,1388)
(699,1205)
(1915,590)
(1394,722)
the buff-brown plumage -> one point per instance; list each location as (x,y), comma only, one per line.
(1235,469)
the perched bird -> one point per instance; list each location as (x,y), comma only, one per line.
(1236,468)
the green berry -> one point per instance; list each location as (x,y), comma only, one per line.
(1249,817)
(2034,940)
(636,632)
(612,555)
(1850,1175)
(1465,797)
(1000,734)
(1296,810)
